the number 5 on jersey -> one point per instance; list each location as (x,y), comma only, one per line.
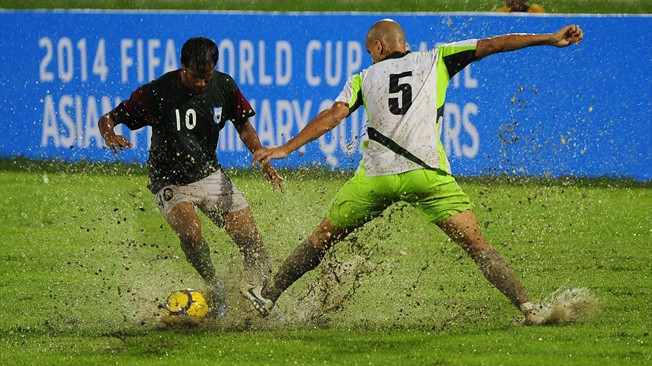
(405,89)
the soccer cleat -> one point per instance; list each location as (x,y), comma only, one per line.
(530,314)
(531,319)
(217,299)
(261,304)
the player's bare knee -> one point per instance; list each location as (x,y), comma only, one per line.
(322,242)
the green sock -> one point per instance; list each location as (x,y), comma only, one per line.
(304,258)
(201,260)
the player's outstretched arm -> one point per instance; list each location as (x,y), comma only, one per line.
(322,123)
(106,125)
(570,34)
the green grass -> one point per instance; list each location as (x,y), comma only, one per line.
(87,259)
(552,6)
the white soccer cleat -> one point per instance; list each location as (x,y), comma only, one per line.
(262,305)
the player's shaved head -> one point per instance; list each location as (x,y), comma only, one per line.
(389,32)
(384,38)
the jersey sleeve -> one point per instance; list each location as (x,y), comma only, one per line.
(238,110)
(135,112)
(457,55)
(352,93)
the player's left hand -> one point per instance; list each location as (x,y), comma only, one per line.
(570,34)
(273,177)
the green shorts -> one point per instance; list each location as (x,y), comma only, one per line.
(433,193)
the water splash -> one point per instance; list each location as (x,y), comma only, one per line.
(564,306)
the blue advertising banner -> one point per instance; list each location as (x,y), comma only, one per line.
(583,111)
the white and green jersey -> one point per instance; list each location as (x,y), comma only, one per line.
(404,97)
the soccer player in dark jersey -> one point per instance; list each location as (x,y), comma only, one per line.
(187,109)
(403,94)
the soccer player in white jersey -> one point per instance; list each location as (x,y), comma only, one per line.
(404,160)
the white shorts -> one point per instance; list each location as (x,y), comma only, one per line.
(215,195)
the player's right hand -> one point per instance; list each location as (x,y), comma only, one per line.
(265,154)
(117,142)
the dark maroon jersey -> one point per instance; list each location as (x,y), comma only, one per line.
(185,126)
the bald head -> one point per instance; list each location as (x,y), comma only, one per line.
(384,38)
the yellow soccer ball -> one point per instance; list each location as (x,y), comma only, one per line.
(188,303)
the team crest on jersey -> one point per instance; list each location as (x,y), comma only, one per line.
(217,115)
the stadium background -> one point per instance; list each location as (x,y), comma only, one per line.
(539,112)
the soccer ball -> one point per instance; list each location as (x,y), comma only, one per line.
(187,303)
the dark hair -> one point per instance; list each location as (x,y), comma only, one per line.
(199,52)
